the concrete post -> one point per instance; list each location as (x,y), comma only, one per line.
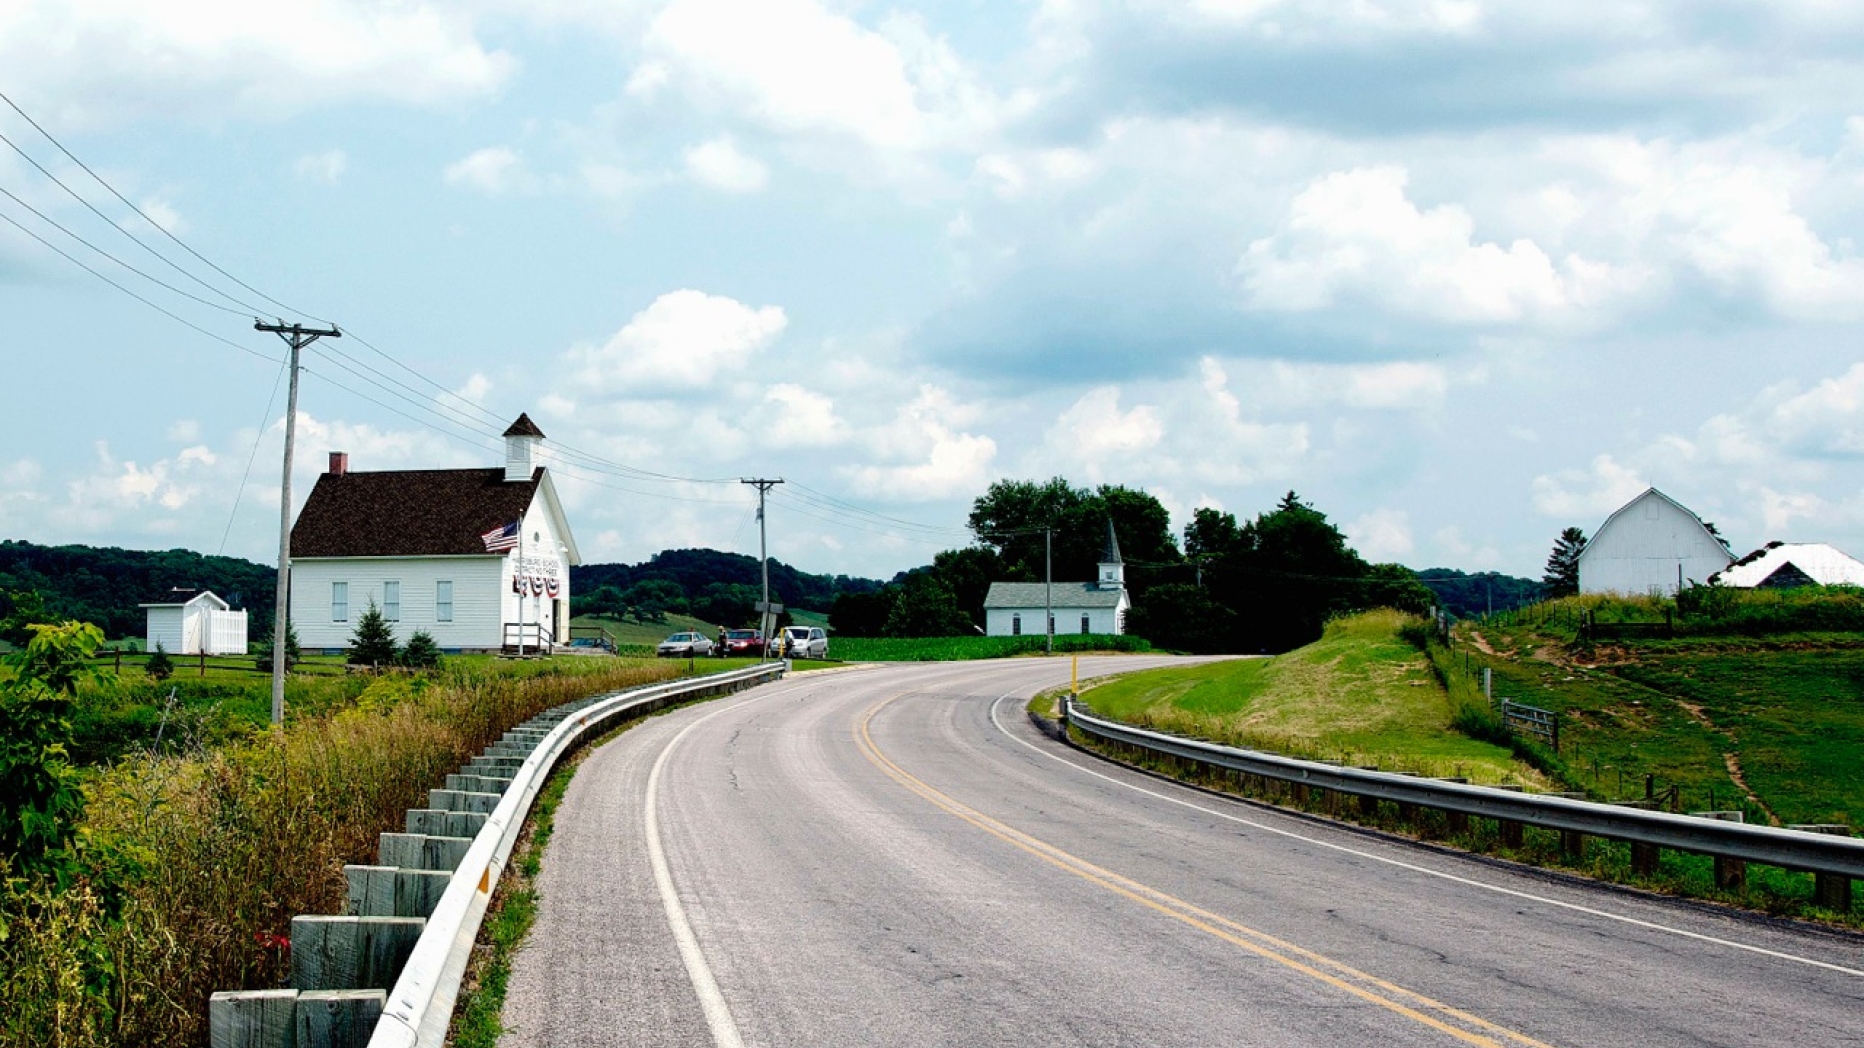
(251,1018)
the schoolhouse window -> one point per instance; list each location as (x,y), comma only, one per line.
(391,601)
(1084,628)
(1016,625)
(443,601)
(339,602)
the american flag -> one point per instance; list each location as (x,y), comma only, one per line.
(500,539)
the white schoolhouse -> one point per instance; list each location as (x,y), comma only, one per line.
(477,558)
(1013,609)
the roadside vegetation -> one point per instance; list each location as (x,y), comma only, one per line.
(136,881)
(1362,694)
(1772,726)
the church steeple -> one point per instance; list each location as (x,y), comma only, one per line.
(1112,566)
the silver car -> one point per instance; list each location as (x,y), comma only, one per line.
(685,646)
(800,642)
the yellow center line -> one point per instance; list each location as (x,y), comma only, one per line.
(1298,958)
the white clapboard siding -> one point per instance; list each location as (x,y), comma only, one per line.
(165,629)
(999,622)
(1646,546)
(477,603)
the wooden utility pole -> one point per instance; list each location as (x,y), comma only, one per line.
(767,617)
(297,336)
(1048,588)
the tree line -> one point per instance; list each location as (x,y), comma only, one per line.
(709,584)
(1265,584)
(104,584)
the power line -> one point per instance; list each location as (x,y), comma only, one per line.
(158,226)
(257,439)
(159,309)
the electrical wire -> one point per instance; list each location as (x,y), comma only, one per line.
(257,439)
(159,309)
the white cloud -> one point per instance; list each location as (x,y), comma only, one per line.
(259,61)
(685,340)
(326,167)
(494,171)
(184,430)
(795,67)
(1355,236)
(721,165)
(1403,384)
(1382,535)
(21,473)
(945,464)
(1094,435)
(1588,494)
(798,417)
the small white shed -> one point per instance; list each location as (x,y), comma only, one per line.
(195,622)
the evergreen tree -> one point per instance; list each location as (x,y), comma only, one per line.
(373,643)
(421,652)
(1562,577)
(160,666)
(292,654)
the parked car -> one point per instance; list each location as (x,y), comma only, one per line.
(745,643)
(800,642)
(685,646)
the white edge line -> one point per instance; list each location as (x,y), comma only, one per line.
(1653,926)
(711,1000)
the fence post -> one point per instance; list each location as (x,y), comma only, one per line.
(1488,685)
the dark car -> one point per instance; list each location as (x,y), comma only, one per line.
(745,643)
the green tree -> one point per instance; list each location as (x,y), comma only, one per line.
(40,797)
(421,652)
(22,609)
(1562,575)
(968,573)
(1011,516)
(926,608)
(1181,617)
(862,614)
(292,653)
(159,666)
(373,643)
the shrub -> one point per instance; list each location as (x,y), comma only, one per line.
(421,651)
(159,666)
(373,643)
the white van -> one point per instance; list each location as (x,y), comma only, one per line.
(800,642)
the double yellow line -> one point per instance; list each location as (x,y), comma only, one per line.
(1459,1024)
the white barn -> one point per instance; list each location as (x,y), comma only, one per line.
(195,622)
(1783,565)
(1651,545)
(415,542)
(1013,609)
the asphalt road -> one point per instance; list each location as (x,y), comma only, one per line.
(894,856)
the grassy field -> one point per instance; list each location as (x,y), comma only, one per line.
(1360,694)
(1772,726)
(948,649)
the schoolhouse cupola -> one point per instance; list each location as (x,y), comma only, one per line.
(521,442)
(1112,566)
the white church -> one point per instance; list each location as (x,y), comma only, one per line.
(1013,609)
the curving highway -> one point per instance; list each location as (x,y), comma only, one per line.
(894,856)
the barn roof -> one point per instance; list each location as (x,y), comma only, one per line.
(1066,595)
(409,513)
(1821,564)
(1648,493)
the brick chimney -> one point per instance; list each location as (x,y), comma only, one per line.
(339,463)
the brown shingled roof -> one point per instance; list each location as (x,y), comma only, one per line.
(524,427)
(408,513)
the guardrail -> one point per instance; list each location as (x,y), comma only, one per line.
(417,1007)
(1828,852)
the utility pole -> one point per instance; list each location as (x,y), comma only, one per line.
(767,618)
(297,336)
(1048,587)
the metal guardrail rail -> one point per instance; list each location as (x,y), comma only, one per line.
(420,1006)
(1823,854)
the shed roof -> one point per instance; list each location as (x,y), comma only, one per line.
(1823,564)
(1065,595)
(409,513)
(181,596)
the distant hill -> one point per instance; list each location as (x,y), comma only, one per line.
(1466,595)
(104,584)
(694,571)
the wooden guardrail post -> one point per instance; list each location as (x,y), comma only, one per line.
(1730,873)
(252,1018)
(1830,891)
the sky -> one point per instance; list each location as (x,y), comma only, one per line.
(1460,273)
